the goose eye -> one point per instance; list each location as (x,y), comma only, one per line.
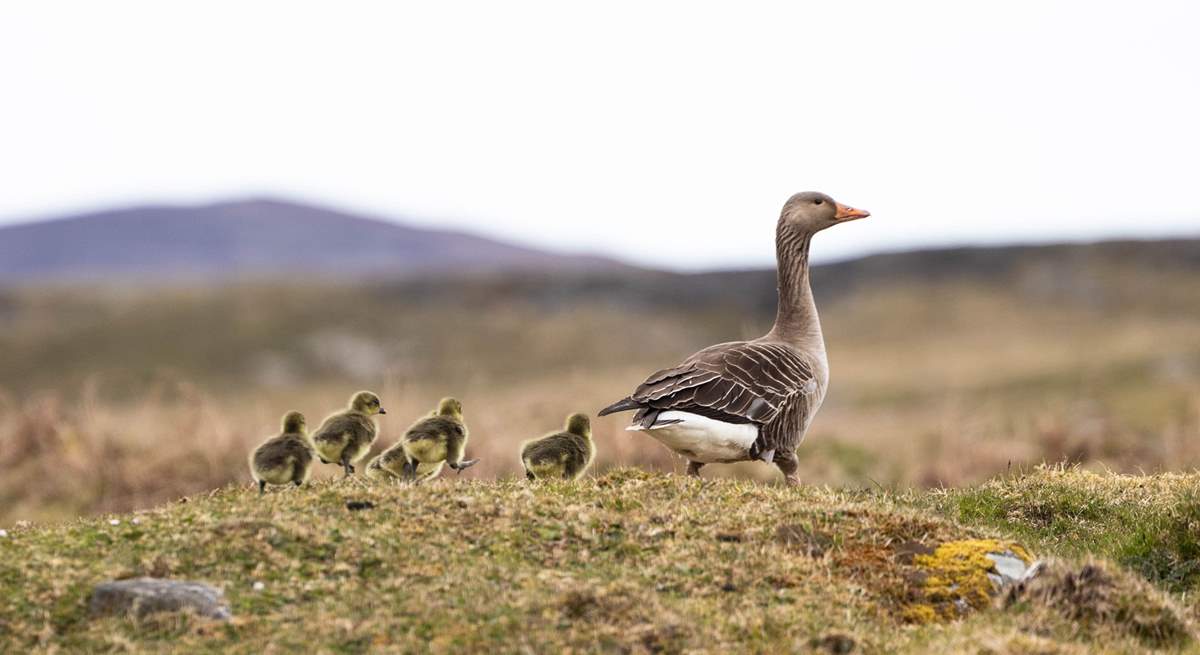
(818,201)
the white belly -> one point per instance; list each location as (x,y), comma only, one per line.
(702,439)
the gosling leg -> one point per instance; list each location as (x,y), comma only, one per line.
(694,468)
(465,464)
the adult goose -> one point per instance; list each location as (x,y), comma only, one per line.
(751,400)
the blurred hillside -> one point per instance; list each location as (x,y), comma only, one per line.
(254,237)
(948,366)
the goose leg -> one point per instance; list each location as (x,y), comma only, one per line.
(789,465)
(694,468)
(347,466)
(262,487)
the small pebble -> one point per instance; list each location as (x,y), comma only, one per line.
(259,586)
(114,522)
(136,521)
(3,533)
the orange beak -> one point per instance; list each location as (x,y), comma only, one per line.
(845,213)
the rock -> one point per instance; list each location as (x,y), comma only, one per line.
(1010,568)
(142,596)
(959,577)
(359,505)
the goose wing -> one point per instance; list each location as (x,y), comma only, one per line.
(737,382)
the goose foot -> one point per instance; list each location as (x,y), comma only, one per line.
(789,466)
(465,464)
(694,468)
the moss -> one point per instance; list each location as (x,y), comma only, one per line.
(1149,523)
(953,579)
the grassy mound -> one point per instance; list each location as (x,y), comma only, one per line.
(1150,524)
(625,562)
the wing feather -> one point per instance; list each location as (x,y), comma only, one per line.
(740,382)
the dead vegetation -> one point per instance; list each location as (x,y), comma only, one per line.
(1096,596)
(111,401)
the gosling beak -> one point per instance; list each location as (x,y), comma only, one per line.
(382,410)
(845,213)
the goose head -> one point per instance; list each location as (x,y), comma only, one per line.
(367,403)
(450,408)
(579,424)
(812,211)
(293,423)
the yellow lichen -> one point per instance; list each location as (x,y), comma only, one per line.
(953,579)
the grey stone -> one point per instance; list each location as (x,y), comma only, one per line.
(142,596)
(1010,569)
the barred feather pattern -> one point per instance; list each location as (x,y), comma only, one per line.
(761,382)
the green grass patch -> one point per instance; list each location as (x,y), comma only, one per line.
(1150,524)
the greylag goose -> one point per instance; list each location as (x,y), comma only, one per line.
(751,400)
(439,437)
(345,437)
(283,459)
(565,454)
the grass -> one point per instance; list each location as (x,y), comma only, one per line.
(627,561)
(1149,524)
(170,388)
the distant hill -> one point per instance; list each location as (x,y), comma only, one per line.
(268,238)
(1088,274)
(254,238)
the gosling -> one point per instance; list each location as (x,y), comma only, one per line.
(389,465)
(345,437)
(285,458)
(439,437)
(565,454)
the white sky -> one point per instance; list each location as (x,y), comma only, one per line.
(669,134)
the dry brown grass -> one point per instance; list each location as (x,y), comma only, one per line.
(115,402)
